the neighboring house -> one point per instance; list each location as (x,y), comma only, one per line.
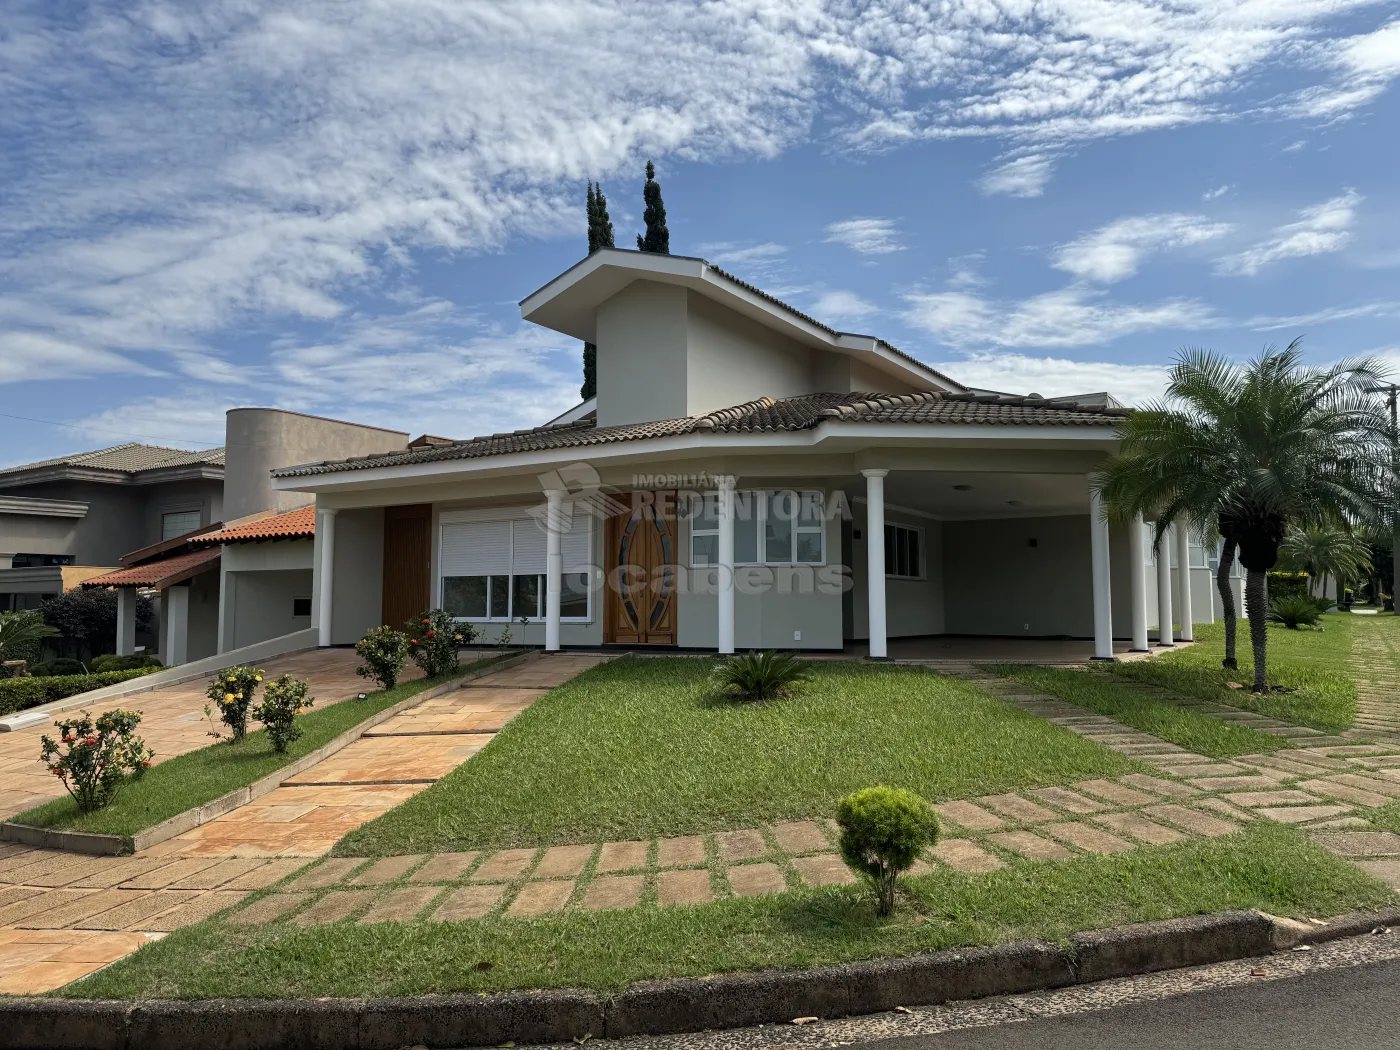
(746,477)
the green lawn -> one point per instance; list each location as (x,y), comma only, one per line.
(1099,691)
(1267,866)
(643,747)
(1315,664)
(197,777)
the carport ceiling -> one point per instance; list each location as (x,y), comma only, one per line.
(956,496)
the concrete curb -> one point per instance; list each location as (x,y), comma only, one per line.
(113,845)
(658,1007)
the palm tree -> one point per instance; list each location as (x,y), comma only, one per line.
(19,631)
(1251,450)
(1322,550)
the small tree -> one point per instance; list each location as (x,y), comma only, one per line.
(658,237)
(600,235)
(86,619)
(384,652)
(883,831)
(434,640)
(93,756)
(231,691)
(282,701)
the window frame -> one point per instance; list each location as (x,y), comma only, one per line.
(186,509)
(918,532)
(760,500)
(479,518)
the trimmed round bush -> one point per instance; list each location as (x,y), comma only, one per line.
(63,665)
(383,652)
(113,662)
(883,831)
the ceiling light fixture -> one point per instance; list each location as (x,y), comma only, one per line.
(962,488)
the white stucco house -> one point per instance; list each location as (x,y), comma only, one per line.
(747,477)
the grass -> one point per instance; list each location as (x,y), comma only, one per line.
(197,777)
(1386,817)
(1314,664)
(1267,866)
(1099,691)
(644,747)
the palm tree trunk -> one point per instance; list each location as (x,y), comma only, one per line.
(1256,599)
(1227,601)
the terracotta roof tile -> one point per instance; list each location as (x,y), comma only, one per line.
(293,525)
(161,573)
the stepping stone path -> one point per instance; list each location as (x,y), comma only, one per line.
(1375,664)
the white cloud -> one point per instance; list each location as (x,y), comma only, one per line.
(1073,316)
(1022,177)
(729,254)
(1114,252)
(867,236)
(1219,191)
(36,355)
(1366,65)
(1320,229)
(1057,377)
(192,418)
(1336,313)
(841,306)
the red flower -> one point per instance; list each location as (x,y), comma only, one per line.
(427,621)
(413,641)
(431,634)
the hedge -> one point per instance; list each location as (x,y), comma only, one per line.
(17,694)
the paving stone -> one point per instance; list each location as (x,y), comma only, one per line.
(74,911)
(741,845)
(11,894)
(1233,783)
(271,907)
(400,905)
(1090,839)
(1219,805)
(1380,785)
(503,866)
(1347,748)
(753,880)
(685,887)
(1281,797)
(966,856)
(217,874)
(335,870)
(965,814)
(620,856)
(20,910)
(47,863)
(540,898)
(1157,785)
(1018,808)
(334,906)
(71,873)
(1192,820)
(614,891)
(119,872)
(1212,769)
(196,910)
(445,867)
(685,849)
(806,836)
(824,869)
(264,876)
(1340,824)
(1070,801)
(131,914)
(1387,871)
(563,862)
(1115,793)
(1301,814)
(1360,843)
(469,902)
(159,878)
(386,870)
(1029,845)
(1139,827)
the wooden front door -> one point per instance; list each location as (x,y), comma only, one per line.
(408,546)
(639,603)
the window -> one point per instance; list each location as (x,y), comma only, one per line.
(301,606)
(495,570)
(903,552)
(770,528)
(35,561)
(178,522)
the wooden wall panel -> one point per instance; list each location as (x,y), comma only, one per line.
(408,549)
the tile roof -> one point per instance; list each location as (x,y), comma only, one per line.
(764,415)
(293,525)
(130,458)
(161,573)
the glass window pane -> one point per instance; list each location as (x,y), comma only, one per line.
(500,597)
(777,530)
(704,550)
(573,598)
(914,569)
(811,511)
(891,545)
(809,548)
(745,540)
(464,596)
(709,514)
(525,597)
(177,523)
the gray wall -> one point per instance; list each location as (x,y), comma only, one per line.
(913,607)
(203,638)
(642,354)
(259,440)
(35,534)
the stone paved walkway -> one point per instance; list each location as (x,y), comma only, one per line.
(1375,664)
(64,915)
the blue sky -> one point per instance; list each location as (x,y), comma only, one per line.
(335,207)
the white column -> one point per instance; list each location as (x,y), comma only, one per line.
(875,555)
(1163,553)
(1137,581)
(1098,556)
(726,484)
(554,568)
(1183,579)
(126,621)
(175,618)
(325,540)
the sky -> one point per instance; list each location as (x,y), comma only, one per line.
(335,207)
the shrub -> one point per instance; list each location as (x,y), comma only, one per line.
(112,662)
(434,639)
(94,757)
(87,618)
(384,652)
(282,701)
(1296,610)
(760,676)
(18,694)
(883,831)
(232,692)
(22,635)
(62,666)
(1289,583)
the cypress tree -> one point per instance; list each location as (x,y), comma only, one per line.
(600,235)
(658,237)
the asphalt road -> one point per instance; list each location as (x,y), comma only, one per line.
(1357,1008)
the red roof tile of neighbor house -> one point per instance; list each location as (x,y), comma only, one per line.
(293,525)
(162,573)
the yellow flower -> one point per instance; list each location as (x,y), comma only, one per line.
(258,678)
(238,696)
(228,697)
(233,678)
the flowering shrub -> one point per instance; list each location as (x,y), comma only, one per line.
(434,640)
(232,692)
(282,701)
(93,757)
(384,652)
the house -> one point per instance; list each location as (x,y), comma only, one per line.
(746,477)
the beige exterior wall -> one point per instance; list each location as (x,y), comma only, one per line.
(731,359)
(913,607)
(358,597)
(642,354)
(259,581)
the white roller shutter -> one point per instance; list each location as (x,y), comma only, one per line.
(528,557)
(576,544)
(475,548)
